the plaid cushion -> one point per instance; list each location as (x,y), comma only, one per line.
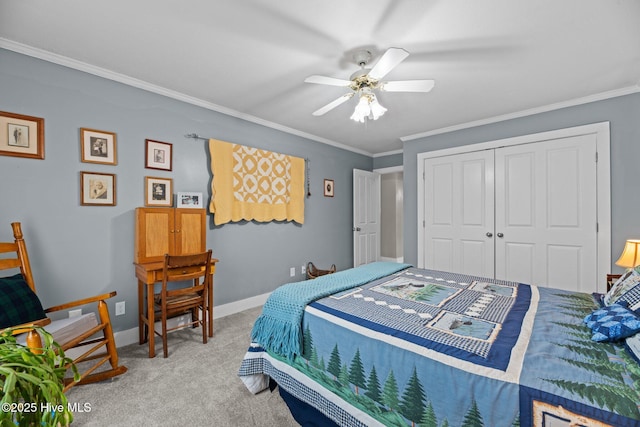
(612,323)
(626,282)
(18,303)
(632,298)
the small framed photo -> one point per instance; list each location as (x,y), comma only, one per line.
(98,146)
(190,200)
(97,189)
(158,155)
(158,191)
(21,136)
(328,188)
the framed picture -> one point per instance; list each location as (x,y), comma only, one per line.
(158,191)
(158,155)
(328,188)
(97,189)
(21,136)
(190,200)
(98,146)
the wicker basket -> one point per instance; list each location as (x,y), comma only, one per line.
(313,272)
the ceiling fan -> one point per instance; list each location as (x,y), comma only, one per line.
(366,81)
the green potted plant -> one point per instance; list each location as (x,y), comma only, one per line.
(32,382)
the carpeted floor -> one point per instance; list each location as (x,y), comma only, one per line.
(196,385)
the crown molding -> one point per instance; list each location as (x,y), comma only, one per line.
(388,153)
(551,107)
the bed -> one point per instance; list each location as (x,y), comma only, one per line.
(389,344)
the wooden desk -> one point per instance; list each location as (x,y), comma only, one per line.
(149,274)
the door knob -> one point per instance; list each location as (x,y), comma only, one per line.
(500,235)
(356,228)
(489,234)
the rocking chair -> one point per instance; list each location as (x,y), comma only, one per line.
(80,337)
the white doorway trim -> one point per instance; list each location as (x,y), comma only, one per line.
(391,169)
(601,130)
(384,171)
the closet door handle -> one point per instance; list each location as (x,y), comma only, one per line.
(489,234)
(500,235)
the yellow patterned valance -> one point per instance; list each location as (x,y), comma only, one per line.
(253,184)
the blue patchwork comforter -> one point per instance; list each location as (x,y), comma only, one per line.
(434,348)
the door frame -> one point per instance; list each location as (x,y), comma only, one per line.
(385,171)
(603,177)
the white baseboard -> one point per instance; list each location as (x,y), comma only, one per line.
(131,336)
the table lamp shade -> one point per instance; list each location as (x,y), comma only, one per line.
(630,256)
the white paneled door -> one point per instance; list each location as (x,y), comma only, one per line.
(526,213)
(366,217)
(459,213)
(546,222)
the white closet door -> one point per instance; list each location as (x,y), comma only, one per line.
(459,213)
(546,211)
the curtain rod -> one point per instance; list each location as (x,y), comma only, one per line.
(196,136)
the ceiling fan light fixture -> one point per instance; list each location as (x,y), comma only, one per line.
(362,110)
(377,110)
(368,108)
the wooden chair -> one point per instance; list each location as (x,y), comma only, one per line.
(89,333)
(168,303)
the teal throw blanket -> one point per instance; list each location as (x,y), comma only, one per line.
(279,327)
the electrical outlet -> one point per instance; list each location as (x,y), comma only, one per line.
(120,308)
(303,269)
(292,271)
(75,313)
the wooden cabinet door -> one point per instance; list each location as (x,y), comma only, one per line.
(190,231)
(154,234)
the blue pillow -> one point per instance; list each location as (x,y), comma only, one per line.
(18,303)
(612,323)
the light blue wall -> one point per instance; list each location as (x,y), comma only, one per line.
(622,112)
(78,251)
(387,161)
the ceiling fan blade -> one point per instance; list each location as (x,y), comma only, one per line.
(322,80)
(392,57)
(333,104)
(408,86)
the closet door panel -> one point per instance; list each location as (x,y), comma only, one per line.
(571,214)
(442,254)
(517,183)
(459,218)
(518,262)
(546,201)
(474,256)
(440,222)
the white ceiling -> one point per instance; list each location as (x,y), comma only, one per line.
(490,58)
